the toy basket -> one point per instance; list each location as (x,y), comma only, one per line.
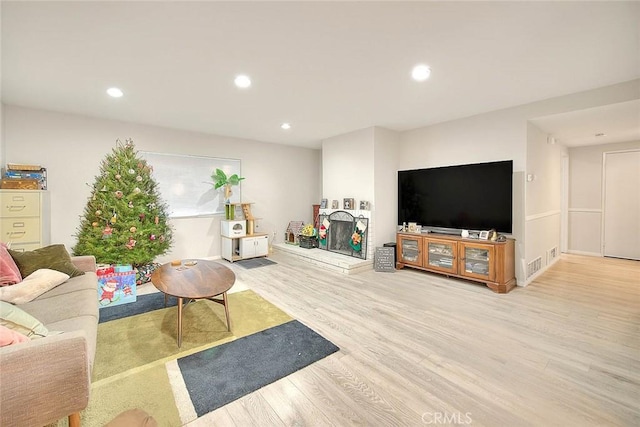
(308,242)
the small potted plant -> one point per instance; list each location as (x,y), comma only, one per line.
(220,179)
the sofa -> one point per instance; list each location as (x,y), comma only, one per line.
(43,380)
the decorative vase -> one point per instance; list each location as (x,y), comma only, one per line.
(229,211)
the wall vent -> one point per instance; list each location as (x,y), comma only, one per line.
(552,254)
(534,266)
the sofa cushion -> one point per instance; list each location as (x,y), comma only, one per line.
(14,318)
(87,281)
(34,285)
(9,272)
(82,302)
(54,257)
(9,336)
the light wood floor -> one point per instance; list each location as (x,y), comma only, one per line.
(420,349)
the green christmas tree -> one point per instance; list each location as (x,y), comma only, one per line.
(125,220)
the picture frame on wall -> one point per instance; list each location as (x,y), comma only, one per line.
(365,205)
(323,203)
(348,204)
(334,204)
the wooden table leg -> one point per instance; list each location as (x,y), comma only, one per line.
(179,322)
(226,310)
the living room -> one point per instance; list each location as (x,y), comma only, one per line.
(287,173)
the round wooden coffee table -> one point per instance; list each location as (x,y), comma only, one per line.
(194,279)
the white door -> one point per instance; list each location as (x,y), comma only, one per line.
(621,205)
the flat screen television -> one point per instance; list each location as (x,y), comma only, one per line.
(449,199)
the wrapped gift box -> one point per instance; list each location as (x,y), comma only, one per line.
(115,288)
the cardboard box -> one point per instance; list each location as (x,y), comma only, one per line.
(19,184)
(116,288)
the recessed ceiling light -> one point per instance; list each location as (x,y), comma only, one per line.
(286,126)
(242,81)
(115,92)
(420,72)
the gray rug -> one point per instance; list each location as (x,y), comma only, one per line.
(224,373)
(144,303)
(255,262)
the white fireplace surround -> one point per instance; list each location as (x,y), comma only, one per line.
(335,261)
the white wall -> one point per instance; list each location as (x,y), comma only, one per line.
(282,181)
(2,150)
(543,197)
(363,165)
(347,162)
(501,135)
(385,200)
(585,196)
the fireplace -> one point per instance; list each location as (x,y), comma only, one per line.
(343,233)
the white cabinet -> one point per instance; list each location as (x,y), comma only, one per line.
(24,219)
(237,248)
(251,247)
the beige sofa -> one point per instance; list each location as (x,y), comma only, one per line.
(49,378)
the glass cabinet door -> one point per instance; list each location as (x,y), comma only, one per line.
(477,261)
(410,250)
(441,255)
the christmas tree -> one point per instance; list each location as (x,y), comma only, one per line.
(125,220)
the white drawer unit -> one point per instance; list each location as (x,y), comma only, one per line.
(255,246)
(237,248)
(24,219)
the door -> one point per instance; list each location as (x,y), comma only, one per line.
(409,250)
(262,246)
(440,255)
(621,205)
(477,260)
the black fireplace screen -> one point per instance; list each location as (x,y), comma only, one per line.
(343,233)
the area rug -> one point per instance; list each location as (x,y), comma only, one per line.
(255,262)
(138,363)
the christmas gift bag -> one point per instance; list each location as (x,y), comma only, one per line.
(116,285)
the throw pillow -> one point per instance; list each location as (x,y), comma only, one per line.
(54,257)
(20,321)
(9,336)
(9,272)
(34,285)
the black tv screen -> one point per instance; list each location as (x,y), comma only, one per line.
(465,197)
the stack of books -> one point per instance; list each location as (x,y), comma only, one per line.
(18,176)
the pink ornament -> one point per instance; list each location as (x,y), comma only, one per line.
(152,237)
(131,243)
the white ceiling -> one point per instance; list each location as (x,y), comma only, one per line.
(326,67)
(602,125)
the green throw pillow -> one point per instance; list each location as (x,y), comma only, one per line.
(18,320)
(54,257)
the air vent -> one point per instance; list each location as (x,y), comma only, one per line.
(534,266)
(552,254)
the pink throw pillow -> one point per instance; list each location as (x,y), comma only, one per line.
(9,336)
(9,272)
